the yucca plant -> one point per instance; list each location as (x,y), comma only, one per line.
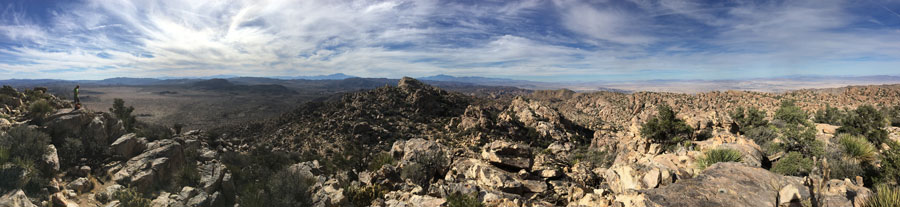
(885,196)
(858,148)
(718,155)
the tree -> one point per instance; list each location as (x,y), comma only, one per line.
(830,115)
(665,128)
(123,113)
(867,122)
(791,114)
(744,120)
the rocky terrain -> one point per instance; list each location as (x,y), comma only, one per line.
(418,145)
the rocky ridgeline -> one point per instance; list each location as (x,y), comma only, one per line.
(418,145)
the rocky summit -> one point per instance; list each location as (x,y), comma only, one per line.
(418,145)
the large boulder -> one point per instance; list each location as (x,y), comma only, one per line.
(507,154)
(50,161)
(163,158)
(128,146)
(486,176)
(211,176)
(16,198)
(728,184)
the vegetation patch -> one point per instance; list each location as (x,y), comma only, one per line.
(458,199)
(714,156)
(665,129)
(793,164)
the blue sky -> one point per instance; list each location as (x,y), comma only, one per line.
(529,39)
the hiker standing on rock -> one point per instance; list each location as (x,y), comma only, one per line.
(77,101)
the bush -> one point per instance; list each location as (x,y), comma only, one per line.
(665,129)
(761,135)
(128,197)
(718,155)
(25,143)
(289,188)
(457,199)
(892,114)
(858,148)
(363,196)
(39,109)
(69,151)
(846,168)
(123,113)
(791,114)
(867,122)
(830,115)
(885,196)
(890,164)
(154,132)
(592,157)
(802,138)
(744,120)
(793,164)
(381,159)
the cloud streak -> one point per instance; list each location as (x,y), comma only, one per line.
(533,39)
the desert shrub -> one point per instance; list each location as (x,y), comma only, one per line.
(458,199)
(892,114)
(846,168)
(857,148)
(867,122)
(154,132)
(123,113)
(128,197)
(289,188)
(39,109)
(177,127)
(791,114)
(793,164)
(802,138)
(885,196)
(381,159)
(363,196)
(415,172)
(252,172)
(665,129)
(744,120)
(592,157)
(25,143)
(718,155)
(761,135)
(69,151)
(9,101)
(829,115)
(890,164)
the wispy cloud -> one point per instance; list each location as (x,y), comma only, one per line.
(530,38)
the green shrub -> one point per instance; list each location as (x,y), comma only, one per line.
(154,132)
(25,143)
(4,155)
(363,196)
(592,157)
(457,199)
(128,197)
(892,114)
(830,115)
(890,164)
(381,159)
(761,135)
(289,188)
(793,164)
(665,129)
(39,109)
(858,148)
(123,113)
(791,114)
(714,156)
(867,122)
(802,138)
(885,196)
(744,120)
(846,168)
(69,151)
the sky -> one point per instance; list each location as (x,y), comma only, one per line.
(529,39)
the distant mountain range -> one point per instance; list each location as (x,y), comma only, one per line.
(776,84)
